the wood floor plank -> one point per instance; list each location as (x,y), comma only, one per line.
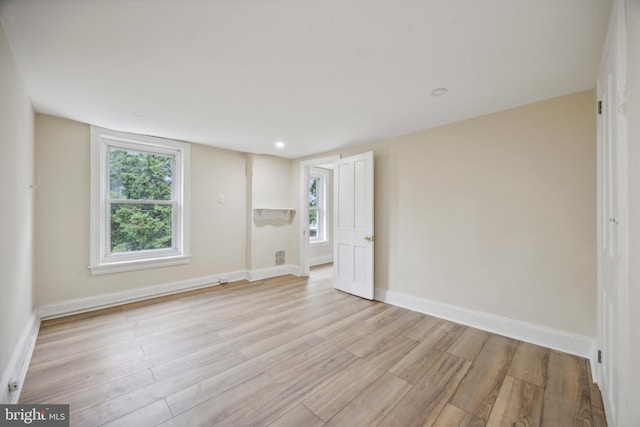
(469,344)
(196,393)
(347,322)
(299,302)
(479,389)
(155,309)
(599,419)
(530,364)
(566,396)
(452,416)
(138,398)
(270,406)
(220,406)
(291,351)
(42,376)
(75,345)
(518,403)
(422,328)
(294,367)
(259,347)
(448,333)
(385,317)
(88,330)
(251,325)
(372,404)
(330,399)
(597,406)
(422,404)
(73,319)
(360,330)
(55,359)
(413,366)
(594,391)
(300,415)
(149,416)
(369,344)
(212,356)
(163,321)
(83,398)
(83,380)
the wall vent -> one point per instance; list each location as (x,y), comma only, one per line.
(279,257)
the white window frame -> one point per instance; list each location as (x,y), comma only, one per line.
(102,260)
(321,205)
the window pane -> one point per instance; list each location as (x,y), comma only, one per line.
(140,176)
(313,192)
(313,224)
(138,226)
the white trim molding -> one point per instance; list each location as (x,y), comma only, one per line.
(119,267)
(20,359)
(555,339)
(81,305)
(102,259)
(97,302)
(305,166)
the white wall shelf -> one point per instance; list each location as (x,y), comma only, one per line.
(272,213)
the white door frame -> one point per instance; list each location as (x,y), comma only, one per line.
(305,166)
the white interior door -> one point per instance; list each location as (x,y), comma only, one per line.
(609,230)
(353,225)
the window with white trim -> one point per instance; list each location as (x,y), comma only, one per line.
(139,203)
(317,205)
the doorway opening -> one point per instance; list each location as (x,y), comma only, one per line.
(316,219)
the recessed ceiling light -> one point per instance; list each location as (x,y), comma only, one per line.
(439,91)
(279,144)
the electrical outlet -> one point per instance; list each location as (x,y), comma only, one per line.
(13,386)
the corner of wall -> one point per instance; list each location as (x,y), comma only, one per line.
(17,172)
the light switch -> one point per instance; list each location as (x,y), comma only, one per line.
(220,198)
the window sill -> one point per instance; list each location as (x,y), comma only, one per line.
(319,242)
(143,264)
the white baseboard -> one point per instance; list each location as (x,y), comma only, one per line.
(20,359)
(319,260)
(280,270)
(567,342)
(81,305)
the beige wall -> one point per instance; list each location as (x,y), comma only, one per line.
(270,188)
(62,217)
(16,215)
(496,213)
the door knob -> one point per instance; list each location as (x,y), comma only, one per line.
(368,238)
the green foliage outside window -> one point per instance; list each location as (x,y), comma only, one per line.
(145,178)
(313,205)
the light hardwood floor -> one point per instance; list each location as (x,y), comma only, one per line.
(295,352)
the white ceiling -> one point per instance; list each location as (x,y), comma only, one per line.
(316,74)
